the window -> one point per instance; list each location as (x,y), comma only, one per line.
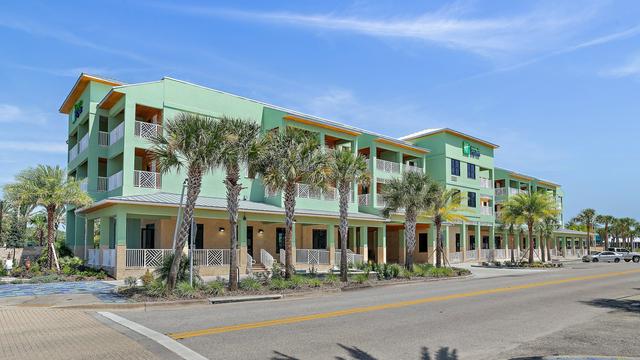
(199,240)
(471,199)
(471,171)
(457,242)
(485,242)
(455,167)
(472,242)
(319,237)
(279,239)
(423,242)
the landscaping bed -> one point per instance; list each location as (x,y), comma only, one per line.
(521,265)
(151,289)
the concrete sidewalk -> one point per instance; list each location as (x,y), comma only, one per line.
(58,334)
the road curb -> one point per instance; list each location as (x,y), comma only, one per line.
(234,299)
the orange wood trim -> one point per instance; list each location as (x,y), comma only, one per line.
(403,146)
(321,125)
(111,100)
(78,89)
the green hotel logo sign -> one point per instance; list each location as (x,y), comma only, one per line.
(470,151)
(77,110)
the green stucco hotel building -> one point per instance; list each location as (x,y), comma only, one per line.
(131,224)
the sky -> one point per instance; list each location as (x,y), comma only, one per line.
(555,84)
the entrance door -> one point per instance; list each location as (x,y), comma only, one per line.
(279,239)
(319,239)
(485,242)
(199,240)
(147,237)
(250,240)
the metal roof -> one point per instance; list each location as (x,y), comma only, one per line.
(214,203)
(570,232)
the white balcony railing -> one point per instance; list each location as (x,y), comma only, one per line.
(146,258)
(103,184)
(73,153)
(501,191)
(147,130)
(84,184)
(364,199)
(387,166)
(486,210)
(485,183)
(471,255)
(514,191)
(109,257)
(411,168)
(455,257)
(312,256)
(116,134)
(103,138)
(212,257)
(352,258)
(268,192)
(115,181)
(147,179)
(306,191)
(380,201)
(83,144)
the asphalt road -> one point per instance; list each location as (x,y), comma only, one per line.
(583,309)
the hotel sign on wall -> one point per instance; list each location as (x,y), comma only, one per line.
(470,151)
(77,110)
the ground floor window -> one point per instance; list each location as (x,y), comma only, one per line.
(280,233)
(498,242)
(472,242)
(319,239)
(485,242)
(147,237)
(423,242)
(458,245)
(199,240)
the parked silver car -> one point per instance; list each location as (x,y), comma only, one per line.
(626,254)
(605,256)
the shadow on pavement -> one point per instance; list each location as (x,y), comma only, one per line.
(355,353)
(616,304)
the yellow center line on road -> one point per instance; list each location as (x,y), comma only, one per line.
(400,304)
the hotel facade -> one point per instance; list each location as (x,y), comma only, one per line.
(131,224)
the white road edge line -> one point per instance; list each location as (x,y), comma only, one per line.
(174,346)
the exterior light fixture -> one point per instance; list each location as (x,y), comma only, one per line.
(221,229)
(260,231)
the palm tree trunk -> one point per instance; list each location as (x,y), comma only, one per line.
(548,240)
(51,211)
(530,225)
(233,202)
(542,248)
(588,239)
(194,182)
(606,236)
(289,214)
(409,237)
(343,192)
(438,243)
(512,244)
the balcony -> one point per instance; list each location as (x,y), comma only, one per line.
(84,184)
(364,199)
(83,144)
(103,184)
(103,138)
(380,201)
(501,191)
(485,183)
(147,179)
(387,166)
(114,181)
(485,210)
(73,153)
(116,134)
(411,168)
(147,130)
(306,191)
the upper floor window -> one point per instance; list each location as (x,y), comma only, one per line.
(455,167)
(471,171)
(471,199)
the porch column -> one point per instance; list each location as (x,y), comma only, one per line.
(432,243)
(364,239)
(243,259)
(382,245)
(402,247)
(446,246)
(478,239)
(293,244)
(463,241)
(88,237)
(492,238)
(563,241)
(120,244)
(105,228)
(331,243)
(351,240)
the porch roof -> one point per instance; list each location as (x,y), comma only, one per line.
(214,203)
(565,231)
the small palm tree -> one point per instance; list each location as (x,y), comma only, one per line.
(606,221)
(240,138)
(509,222)
(346,168)
(49,187)
(550,224)
(587,218)
(191,142)
(415,193)
(446,206)
(284,160)
(39,222)
(530,208)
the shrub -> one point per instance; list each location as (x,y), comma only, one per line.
(45,279)
(68,270)
(277,271)
(297,281)
(183,269)
(315,282)
(185,290)
(146,278)
(361,278)
(156,289)
(215,288)
(278,284)
(331,279)
(249,284)
(130,281)
(101,275)
(441,272)
(16,281)
(35,268)
(3,271)
(421,269)
(73,262)
(61,250)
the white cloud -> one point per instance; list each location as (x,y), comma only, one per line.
(34,146)
(14,114)
(629,69)
(539,29)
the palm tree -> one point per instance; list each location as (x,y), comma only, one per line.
(284,160)
(606,221)
(625,229)
(445,207)
(539,227)
(191,142)
(509,222)
(49,187)
(587,218)
(415,193)
(530,208)
(546,228)
(346,168)
(616,231)
(240,138)
(39,222)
